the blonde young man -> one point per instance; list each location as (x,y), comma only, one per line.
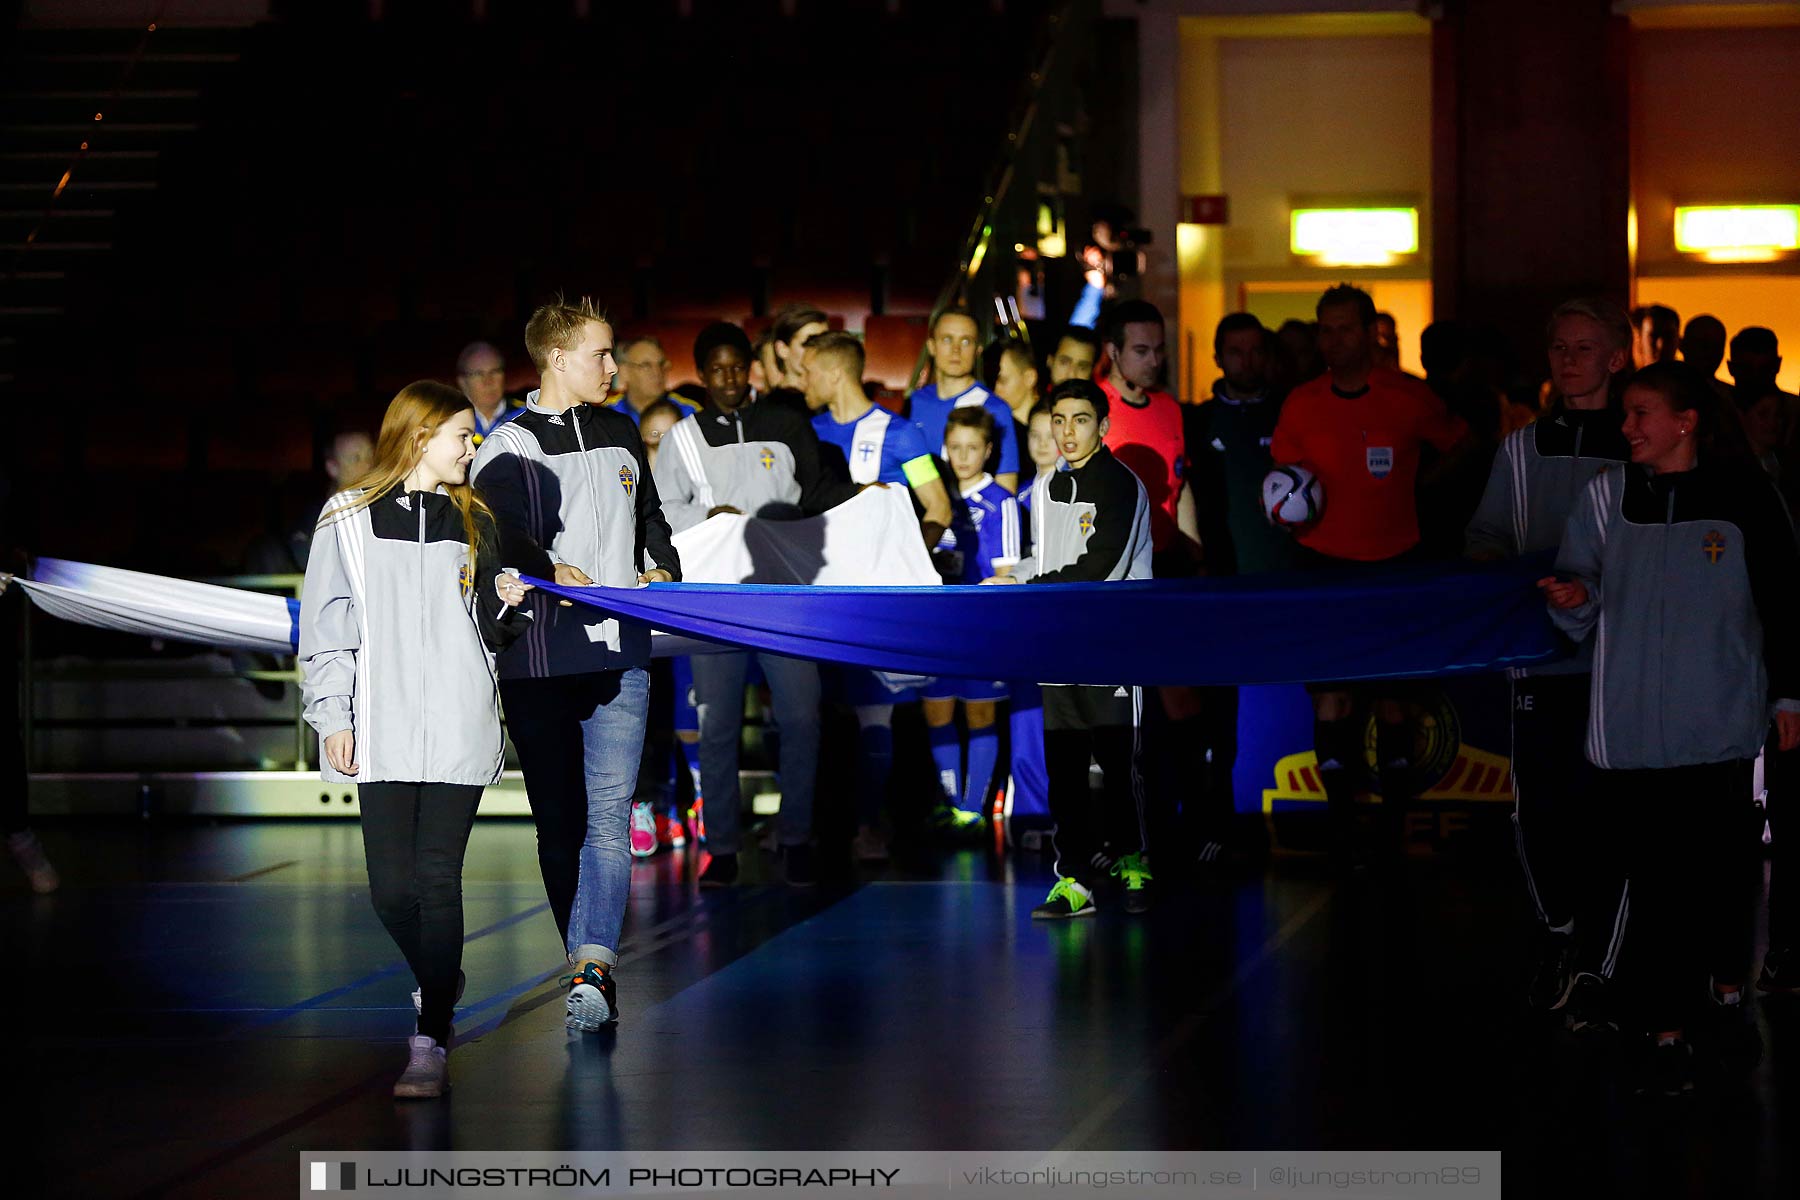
(571,490)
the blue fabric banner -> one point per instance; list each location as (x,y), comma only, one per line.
(1368,623)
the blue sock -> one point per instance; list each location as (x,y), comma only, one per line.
(671,787)
(874,766)
(690,754)
(946,756)
(984,752)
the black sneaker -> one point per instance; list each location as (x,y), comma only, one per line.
(1589,1009)
(593,998)
(722,871)
(1780,972)
(1553,975)
(1134,870)
(801,870)
(1069,898)
(1214,855)
(1667,1069)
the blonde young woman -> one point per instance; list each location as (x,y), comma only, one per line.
(405,603)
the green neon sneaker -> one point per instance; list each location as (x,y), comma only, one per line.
(1067,899)
(947,819)
(1134,869)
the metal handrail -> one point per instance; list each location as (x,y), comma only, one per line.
(101,671)
(975,247)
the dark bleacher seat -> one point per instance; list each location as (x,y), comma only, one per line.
(892,346)
(443,176)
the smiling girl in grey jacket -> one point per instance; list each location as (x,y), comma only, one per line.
(405,603)
(1680,568)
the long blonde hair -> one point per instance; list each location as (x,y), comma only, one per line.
(412,419)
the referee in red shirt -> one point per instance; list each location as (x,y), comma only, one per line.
(1188,816)
(1361,428)
(1146,430)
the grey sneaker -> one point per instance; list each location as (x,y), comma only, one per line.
(427,1074)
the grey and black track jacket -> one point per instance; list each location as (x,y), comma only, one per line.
(762,460)
(1691,579)
(1536,481)
(395,640)
(572,487)
(1089,524)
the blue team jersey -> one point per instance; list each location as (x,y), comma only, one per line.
(984,527)
(879,447)
(932,416)
(622,406)
(508,410)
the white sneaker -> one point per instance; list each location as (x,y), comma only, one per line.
(643,830)
(427,1074)
(28,852)
(462,981)
(870,845)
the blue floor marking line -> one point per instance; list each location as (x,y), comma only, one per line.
(294,1010)
(505,922)
(654,941)
(639,945)
(387,972)
(1102,1111)
(504,997)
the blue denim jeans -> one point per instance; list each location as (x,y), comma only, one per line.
(580,738)
(719,696)
(612,745)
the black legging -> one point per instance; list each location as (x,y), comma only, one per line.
(414,836)
(1691,858)
(1104,724)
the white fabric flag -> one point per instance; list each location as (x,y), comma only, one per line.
(157,606)
(871,540)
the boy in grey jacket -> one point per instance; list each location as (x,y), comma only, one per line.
(570,486)
(1090,522)
(1563,840)
(738,455)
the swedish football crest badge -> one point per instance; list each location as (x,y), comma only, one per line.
(627,480)
(1713,546)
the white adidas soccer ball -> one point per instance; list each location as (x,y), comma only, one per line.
(1293,498)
